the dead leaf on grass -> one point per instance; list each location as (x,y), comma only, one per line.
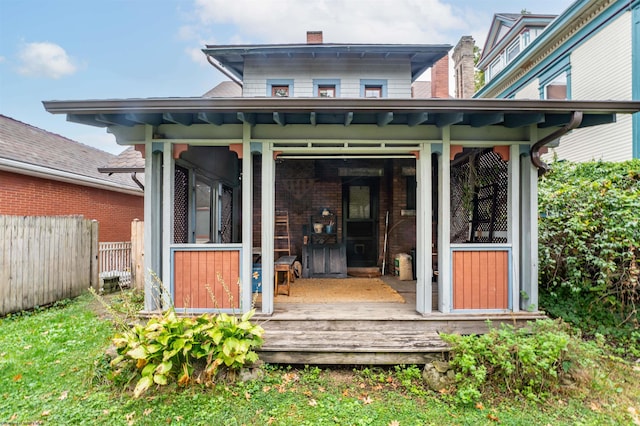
(247,396)
(266,389)
(64,395)
(17,377)
(45,413)
(313,402)
(321,389)
(345,392)
(147,411)
(367,400)
(479,406)
(594,407)
(493,417)
(394,423)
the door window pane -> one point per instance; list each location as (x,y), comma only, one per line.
(359,202)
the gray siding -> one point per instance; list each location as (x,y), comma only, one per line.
(348,71)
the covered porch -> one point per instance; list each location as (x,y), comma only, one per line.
(457,177)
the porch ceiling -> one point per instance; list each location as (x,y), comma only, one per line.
(317,111)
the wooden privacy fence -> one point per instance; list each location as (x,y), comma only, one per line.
(45,259)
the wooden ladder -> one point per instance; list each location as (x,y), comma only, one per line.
(282,237)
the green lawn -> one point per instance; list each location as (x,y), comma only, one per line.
(50,374)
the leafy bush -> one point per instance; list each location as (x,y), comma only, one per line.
(589,234)
(166,348)
(532,361)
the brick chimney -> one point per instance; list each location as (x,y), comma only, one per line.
(464,67)
(314,37)
(440,78)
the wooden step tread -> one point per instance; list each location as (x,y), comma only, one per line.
(350,342)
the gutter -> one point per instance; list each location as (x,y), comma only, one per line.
(57,175)
(576,119)
(135,179)
(220,68)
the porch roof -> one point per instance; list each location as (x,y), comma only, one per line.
(317,111)
(421,56)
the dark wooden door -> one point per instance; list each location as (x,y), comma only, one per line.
(360,207)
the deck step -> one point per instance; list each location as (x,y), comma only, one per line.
(363,347)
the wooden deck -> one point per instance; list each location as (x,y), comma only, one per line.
(366,333)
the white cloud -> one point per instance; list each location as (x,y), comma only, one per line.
(366,21)
(44,59)
(196,55)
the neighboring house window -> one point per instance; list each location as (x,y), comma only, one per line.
(495,67)
(526,38)
(555,83)
(556,88)
(513,50)
(280,88)
(326,88)
(373,88)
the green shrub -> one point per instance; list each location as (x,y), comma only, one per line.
(166,348)
(589,234)
(532,361)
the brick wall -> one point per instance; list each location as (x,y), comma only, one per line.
(305,187)
(31,196)
(440,78)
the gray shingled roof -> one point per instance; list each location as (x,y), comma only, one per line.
(226,89)
(128,160)
(23,143)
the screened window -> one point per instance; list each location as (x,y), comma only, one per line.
(280,91)
(556,88)
(326,91)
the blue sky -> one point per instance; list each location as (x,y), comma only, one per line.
(109,49)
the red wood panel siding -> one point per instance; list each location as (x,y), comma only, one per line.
(480,279)
(207,279)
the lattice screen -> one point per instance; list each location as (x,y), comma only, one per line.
(226,215)
(181,206)
(479,189)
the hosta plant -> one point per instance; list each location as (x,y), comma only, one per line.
(165,348)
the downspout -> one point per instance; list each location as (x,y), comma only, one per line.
(220,68)
(135,179)
(576,119)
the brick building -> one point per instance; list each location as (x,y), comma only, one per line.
(45,174)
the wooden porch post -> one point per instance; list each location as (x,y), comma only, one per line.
(152,223)
(247,219)
(514,224)
(444,225)
(268,207)
(529,229)
(167,223)
(423,230)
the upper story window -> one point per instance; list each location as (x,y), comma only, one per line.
(556,88)
(280,88)
(372,91)
(513,50)
(280,91)
(326,88)
(556,82)
(495,67)
(327,91)
(373,88)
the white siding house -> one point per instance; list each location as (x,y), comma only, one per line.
(590,52)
